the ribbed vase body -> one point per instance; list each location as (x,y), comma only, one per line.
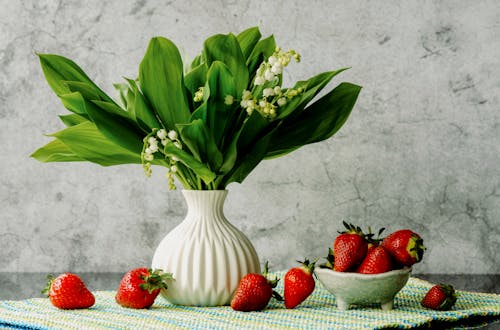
(206,254)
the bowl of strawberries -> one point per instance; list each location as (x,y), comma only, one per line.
(363,270)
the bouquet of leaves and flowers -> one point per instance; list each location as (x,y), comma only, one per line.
(209,123)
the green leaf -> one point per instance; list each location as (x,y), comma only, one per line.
(200,169)
(55,151)
(262,50)
(248,39)
(249,161)
(200,112)
(145,116)
(195,79)
(74,102)
(253,126)
(72,120)
(226,49)
(230,156)
(317,122)
(201,143)
(116,126)
(220,83)
(123,91)
(58,70)
(85,141)
(312,87)
(83,88)
(197,61)
(161,80)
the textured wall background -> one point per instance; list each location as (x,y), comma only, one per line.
(421,149)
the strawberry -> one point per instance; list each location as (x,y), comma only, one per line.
(349,248)
(377,260)
(254,292)
(405,246)
(440,297)
(299,283)
(67,291)
(373,242)
(140,287)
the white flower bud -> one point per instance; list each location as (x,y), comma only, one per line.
(247,95)
(277,68)
(148,151)
(162,134)
(228,100)
(272,60)
(152,141)
(249,111)
(259,81)
(277,90)
(272,113)
(250,103)
(284,60)
(268,75)
(268,92)
(175,159)
(281,101)
(198,95)
(172,135)
(173,168)
(153,148)
(148,157)
(262,104)
(164,142)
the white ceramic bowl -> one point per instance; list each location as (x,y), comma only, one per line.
(363,289)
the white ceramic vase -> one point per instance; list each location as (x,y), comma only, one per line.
(206,254)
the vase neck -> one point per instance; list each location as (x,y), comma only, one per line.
(205,203)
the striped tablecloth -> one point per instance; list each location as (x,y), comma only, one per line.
(317,312)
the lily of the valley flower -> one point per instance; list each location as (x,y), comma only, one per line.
(172,135)
(228,100)
(268,71)
(268,92)
(281,101)
(198,95)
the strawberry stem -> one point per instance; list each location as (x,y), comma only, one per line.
(277,296)
(272,282)
(329,260)
(50,279)
(155,280)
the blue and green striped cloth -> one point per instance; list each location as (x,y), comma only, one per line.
(317,312)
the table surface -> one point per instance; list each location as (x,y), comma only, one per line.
(16,286)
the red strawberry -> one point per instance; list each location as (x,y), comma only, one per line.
(405,246)
(349,248)
(299,283)
(377,260)
(67,291)
(254,292)
(140,287)
(440,297)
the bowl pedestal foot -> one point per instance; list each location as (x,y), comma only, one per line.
(342,305)
(387,306)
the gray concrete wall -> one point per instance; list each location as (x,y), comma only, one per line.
(421,149)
